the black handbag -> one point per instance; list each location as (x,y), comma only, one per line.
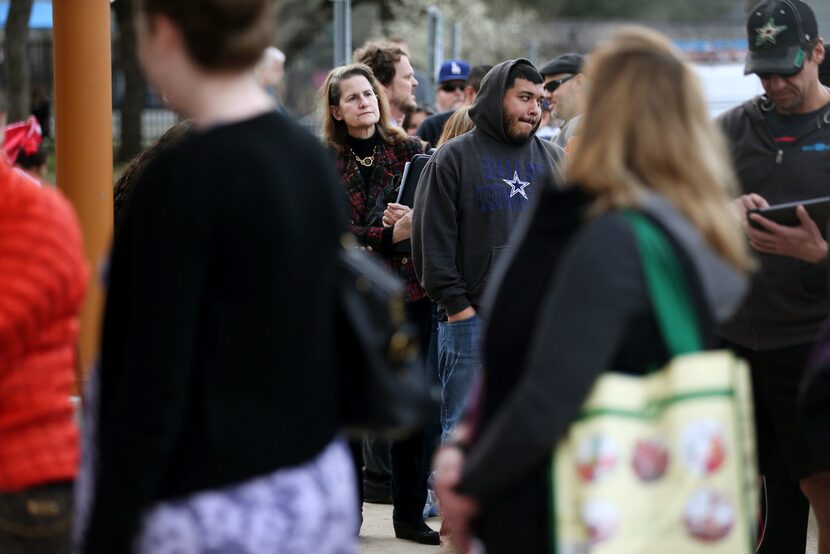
(383,386)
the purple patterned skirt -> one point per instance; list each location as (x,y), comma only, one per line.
(306,509)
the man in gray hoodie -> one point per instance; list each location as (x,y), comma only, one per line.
(469,199)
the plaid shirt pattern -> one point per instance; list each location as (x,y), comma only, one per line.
(366,199)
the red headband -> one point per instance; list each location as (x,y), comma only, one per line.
(23,135)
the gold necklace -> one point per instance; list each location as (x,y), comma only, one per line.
(368,161)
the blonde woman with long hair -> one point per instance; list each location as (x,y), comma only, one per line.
(646,145)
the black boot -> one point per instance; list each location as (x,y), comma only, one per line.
(417,531)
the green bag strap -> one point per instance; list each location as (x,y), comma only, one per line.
(673,305)
(668,287)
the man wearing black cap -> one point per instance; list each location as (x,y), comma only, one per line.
(780,144)
(564,87)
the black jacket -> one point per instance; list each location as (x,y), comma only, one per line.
(788,300)
(583,309)
(216,360)
(432,127)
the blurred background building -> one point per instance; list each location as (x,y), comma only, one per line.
(710,32)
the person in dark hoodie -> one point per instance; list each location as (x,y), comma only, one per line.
(469,199)
(778,145)
(572,301)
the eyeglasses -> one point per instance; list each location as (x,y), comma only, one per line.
(553,85)
(449,87)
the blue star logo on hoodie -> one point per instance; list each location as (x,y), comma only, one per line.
(517,186)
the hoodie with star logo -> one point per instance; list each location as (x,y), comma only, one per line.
(471,196)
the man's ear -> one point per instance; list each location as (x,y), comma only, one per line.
(578,83)
(169,36)
(335,113)
(820,52)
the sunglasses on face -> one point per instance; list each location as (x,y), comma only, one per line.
(449,87)
(553,85)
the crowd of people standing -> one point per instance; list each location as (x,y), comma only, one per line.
(210,420)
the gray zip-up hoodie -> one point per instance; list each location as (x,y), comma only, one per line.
(470,197)
(789,300)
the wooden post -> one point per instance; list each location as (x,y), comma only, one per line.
(83,130)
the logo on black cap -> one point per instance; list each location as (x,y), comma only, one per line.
(779,35)
(769,32)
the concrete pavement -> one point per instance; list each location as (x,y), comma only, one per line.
(377,536)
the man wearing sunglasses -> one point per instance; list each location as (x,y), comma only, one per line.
(564,87)
(780,144)
(432,127)
(452,78)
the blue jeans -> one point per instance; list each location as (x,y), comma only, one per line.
(459,365)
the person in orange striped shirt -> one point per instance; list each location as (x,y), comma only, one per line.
(43,276)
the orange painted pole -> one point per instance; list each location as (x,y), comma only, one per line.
(83,129)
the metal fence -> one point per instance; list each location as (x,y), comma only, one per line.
(155,120)
(154,123)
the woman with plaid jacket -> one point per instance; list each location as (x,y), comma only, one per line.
(370,155)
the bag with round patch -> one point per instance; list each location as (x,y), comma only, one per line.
(662,462)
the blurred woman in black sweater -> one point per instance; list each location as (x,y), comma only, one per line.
(216,430)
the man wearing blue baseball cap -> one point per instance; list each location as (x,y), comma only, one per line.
(779,148)
(451,81)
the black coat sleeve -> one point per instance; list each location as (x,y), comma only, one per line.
(600,288)
(159,263)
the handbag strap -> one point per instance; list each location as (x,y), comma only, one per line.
(668,286)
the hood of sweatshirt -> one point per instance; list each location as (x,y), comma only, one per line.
(724,286)
(488,110)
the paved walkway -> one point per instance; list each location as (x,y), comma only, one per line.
(377,536)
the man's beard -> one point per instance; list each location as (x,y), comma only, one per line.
(518,137)
(407,104)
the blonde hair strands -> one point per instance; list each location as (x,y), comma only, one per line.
(646,127)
